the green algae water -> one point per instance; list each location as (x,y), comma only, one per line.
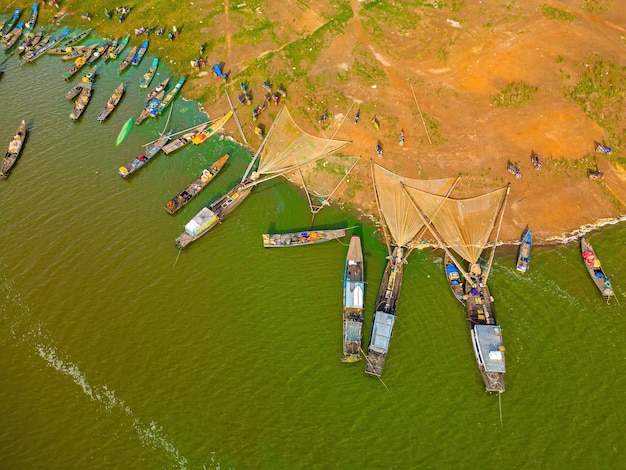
(117,354)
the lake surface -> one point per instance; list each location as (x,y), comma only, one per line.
(116,353)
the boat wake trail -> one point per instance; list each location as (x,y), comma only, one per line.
(14,322)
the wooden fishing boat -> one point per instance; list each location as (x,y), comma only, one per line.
(25,44)
(455,281)
(385,314)
(184,139)
(112,103)
(201,182)
(149,75)
(11,39)
(75,68)
(14,150)
(150,108)
(595,270)
(212,129)
(157,89)
(114,54)
(79,37)
(32,18)
(30,42)
(140,52)
(523,254)
(100,51)
(309,237)
(80,51)
(144,157)
(10,23)
(112,46)
(65,51)
(169,97)
(76,89)
(486,335)
(81,102)
(126,61)
(209,217)
(353,295)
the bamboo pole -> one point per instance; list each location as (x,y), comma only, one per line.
(380,212)
(421,116)
(495,242)
(243,136)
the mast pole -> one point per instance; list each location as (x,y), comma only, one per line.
(380,212)
(493,250)
(243,136)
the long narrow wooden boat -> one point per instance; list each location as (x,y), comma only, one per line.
(212,129)
(485,333)
(14,150)
(38,37)
(126,62)
(595,270)
(76,39)
(25,44)
(32,18)
(353,296)
(81,102)
(169,97)
(140,52)
(10,23)
(100,51)
(112,103)
(158,89)
(149,75)
(455,281)
(75,68)
(65,50)
(201,182)
(144,157)
(385,314)
(80,51)
(76,89)
(523,254)
(150,108)
(184,139)
(11,39)
(107,56)
(114,54)
(309,237)
(209,217)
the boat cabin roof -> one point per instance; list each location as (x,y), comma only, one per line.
(381,332)
(489,338)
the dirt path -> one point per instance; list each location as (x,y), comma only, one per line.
(400,86)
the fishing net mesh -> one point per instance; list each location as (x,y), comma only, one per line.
(399,213)
(464,224)
(288,147)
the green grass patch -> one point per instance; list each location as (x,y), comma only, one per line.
(515,94)
(599,91)
(554,13)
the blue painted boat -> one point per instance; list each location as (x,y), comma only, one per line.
(353,296)
(32,18)
(10,23)
(140,52)
(523,254)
